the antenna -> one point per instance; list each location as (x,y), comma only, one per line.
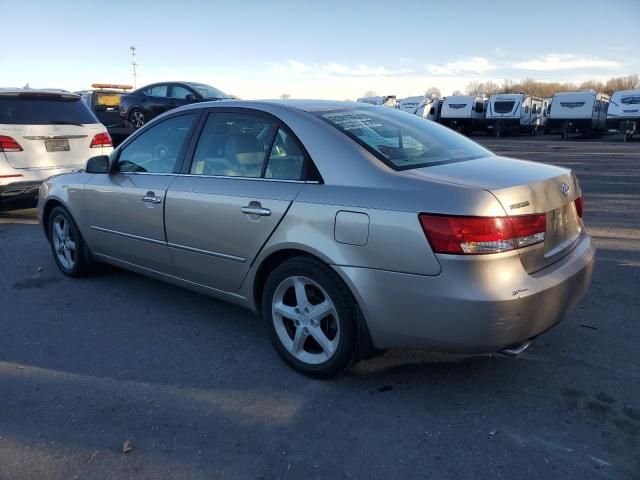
(134,65)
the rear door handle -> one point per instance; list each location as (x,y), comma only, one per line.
(254,210)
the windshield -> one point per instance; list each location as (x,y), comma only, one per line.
(44,110)
(402,140)
(503,106)
(207,91)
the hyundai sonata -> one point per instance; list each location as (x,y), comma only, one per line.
(349,228)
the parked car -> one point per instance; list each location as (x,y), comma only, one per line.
(350,228)
(43,133)
(143,104)
(104,101)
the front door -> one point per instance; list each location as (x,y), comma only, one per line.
(125,209)
(245,173)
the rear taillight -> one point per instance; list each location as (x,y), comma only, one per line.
(480,235)
(9,144)
(101,140)
(579,202)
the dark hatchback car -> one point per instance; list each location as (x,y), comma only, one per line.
(143,104)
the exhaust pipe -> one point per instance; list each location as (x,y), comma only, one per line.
(515,350)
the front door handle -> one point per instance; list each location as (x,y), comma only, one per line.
(256,210)
(151,198)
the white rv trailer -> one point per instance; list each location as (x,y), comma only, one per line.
(386,101)
(546,108)
(514,112)
(464,113)
(624,112)
(425,107)
(578,112)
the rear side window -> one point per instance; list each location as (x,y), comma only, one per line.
(157,91)
(45,110)
(286,160)
(503,106)
(403,141)
(233,145)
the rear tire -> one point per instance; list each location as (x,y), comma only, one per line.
(67,245)
(137,118)
(311,317)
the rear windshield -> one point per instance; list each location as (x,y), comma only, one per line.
(23,110)
(503,106)
(402,140)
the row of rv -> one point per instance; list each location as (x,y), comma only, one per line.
(566,112)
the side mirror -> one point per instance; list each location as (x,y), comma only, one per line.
(191,98)
(99,164)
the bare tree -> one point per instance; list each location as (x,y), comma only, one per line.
(370,93)
(457,92)
(285,96)
(433,91)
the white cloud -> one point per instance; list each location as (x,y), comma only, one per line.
(472,65)
(564,62)
(294,68)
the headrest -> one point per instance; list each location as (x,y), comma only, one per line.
(244,149)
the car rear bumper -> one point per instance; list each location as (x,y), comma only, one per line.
(480,305)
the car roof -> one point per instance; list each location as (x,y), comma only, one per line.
(36,91)
(303,105)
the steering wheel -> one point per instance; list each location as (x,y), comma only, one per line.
(128,166)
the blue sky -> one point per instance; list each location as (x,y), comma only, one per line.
(319,49)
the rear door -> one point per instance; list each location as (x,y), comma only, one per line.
(54,130)
(246,171)
(125,208)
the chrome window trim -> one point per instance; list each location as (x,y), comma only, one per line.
(217,176)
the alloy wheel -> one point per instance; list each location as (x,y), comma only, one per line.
(305,320)
(63,242)
(137,119)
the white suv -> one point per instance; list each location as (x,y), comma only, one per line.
(43,133)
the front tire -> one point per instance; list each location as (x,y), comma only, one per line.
(311,317)
(67,245)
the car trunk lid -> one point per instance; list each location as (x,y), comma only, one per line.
(523,188)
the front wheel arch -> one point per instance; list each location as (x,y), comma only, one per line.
(46,213)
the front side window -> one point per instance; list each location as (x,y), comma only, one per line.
(403,141)
(178,91)
(157,149)
(209,92)
(233,145)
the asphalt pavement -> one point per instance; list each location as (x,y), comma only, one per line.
(118,376)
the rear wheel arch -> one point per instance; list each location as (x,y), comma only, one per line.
(365,347)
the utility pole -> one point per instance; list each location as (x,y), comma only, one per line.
(134,65)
